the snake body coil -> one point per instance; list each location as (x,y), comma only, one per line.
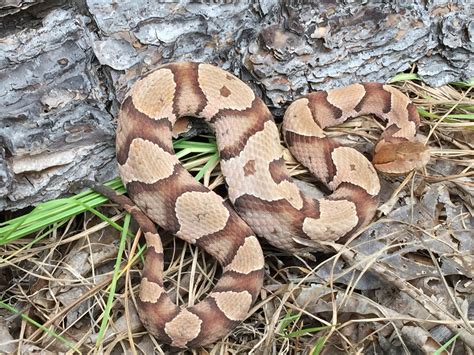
(266,201)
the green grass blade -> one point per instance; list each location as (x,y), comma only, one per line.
(287,320)
(467,116)
(196,146)
(102,216)
(307,330)
(54,211)
(211,162)
(445,345)
(182,153)
(404,77)
(413,76)
(464,84)
(40,326)
(113,285)
(318,346)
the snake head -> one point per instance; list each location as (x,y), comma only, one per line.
(399,158)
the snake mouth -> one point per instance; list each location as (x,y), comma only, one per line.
(400,158)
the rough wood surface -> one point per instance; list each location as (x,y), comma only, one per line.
(64,65)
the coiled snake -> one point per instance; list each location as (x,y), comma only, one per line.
(266,202)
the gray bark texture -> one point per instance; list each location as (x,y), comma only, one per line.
(65,65)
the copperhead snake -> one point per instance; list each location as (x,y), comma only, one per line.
(266,201)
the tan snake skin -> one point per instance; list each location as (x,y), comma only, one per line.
(266,202)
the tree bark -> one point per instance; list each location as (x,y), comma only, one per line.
(65,65)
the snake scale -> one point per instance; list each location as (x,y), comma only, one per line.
(266,201)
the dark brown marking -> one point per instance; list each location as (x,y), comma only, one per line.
(310,150)
(181,126)
(375,98)
(153,266)
(278,171)
(321,109)
(257,113)
(224,91)
(154,316)
(388,133)
(232,236)
(168,190)
(229,77)
(366,205)
(413,115)
(134,124)
(186,78)
(285,221)
(251,282)
(252,203)
(216,323)
(249,168)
